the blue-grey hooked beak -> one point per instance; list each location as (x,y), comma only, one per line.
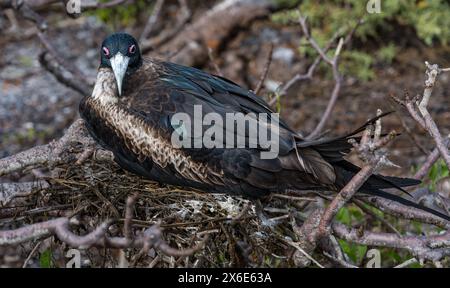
(119,65)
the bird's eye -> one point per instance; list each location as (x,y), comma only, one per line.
(132,49)
(105,51)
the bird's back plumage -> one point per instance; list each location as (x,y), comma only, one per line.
(137,127)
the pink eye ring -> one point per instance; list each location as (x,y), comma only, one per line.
(105,51)
(132,49)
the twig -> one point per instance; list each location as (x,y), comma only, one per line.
(152,236)
(336,75)
(429,162)
(185,16)
(425,120)
(360,204)
(265,71)
(127,226)
(308,75)
(214,63)
(434,247)
(405,212)
(300,249)
(432,73)
(341,262)
(25,263)
(407,263)
(61,74)
(369,151)
(152,20)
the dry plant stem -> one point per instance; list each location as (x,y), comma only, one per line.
(407,263)
(152,19)
(338,261)
(9,191)
(127,227)
(429,162)
(265,71)
(101,5)
(212,29)
(309,74)
(23,8)
(336,75)
(48,45)
(425,120)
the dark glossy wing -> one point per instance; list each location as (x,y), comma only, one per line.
(179,89)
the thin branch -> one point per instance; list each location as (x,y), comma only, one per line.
(152,236)
(214,63)
(405,212)
(152,20)
(429,162)
(433,247)
(263,77)
(62,75)
(432,73)
(370,152)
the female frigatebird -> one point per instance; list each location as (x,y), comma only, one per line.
(130,113)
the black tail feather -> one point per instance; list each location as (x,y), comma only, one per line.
(333,151)
(345,172)
(406,202)
(376,181)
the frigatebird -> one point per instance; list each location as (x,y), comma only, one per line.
(130,113)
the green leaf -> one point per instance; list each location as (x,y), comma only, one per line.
(45,259)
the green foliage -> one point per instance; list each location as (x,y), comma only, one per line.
(122,15)
(349,215)
(387,53)
(354,251)
(429,18)
(358,64)
(438,171)
(45,259)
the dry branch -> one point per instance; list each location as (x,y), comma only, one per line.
(424,119)
(55,153)
(212,30)
(433,248)
(60,227)
(371,153)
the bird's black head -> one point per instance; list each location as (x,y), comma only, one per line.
(120,52)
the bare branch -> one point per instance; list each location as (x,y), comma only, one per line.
(429,162)
(370,152)
(152,20)
(434,247)
(265,71)
(52,154)
(432,73)
(152,237)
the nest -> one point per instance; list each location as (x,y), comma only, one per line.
(96,192)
